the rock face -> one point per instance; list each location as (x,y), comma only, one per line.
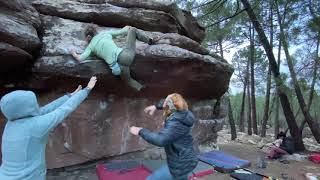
(23,10)
(108,15)
(17,32)
(13,58)
(99,127)
(208,125)
(101,133)
(189,25)
(18,35)
(147,15)
(151,63)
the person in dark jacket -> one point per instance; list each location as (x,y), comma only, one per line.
(283,145)
(175,137)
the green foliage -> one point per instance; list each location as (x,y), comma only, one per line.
(223,33)
(236,106)
(301,21)
(240,59)
(260,100)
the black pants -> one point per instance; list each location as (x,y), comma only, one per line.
(126,57)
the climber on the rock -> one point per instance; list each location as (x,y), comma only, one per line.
(175,137)
(118,59)
(27,130)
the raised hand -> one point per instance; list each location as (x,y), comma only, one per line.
(135,130)
(150,110)
(78,89)
(75,55)
(92,82)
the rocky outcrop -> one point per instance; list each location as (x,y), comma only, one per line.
(189,25)
(13,58)
(21,9)
(69,34)
(148,15)
(99,127)
(18,35)
(108,15)
(163,68)
(208,124)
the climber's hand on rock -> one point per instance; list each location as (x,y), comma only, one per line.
(75,55)
(78,89)
(135,130)
(92,82)
(150,110)
(155,39)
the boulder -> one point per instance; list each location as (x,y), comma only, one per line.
(17,32)
(109,15)
(182,42)
(13,58)
(22,9)
(61,34)
(205,131)
(99,128)
(189,25)
(163,68)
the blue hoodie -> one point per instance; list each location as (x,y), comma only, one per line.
(27,130)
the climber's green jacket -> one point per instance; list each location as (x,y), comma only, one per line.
(104,47)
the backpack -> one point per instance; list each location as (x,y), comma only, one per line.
(288,145)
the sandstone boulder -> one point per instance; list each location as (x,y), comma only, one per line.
(23,10)
(99,127)
(13,58)
(189,25)
(108,15)
(17,32)
(163,68)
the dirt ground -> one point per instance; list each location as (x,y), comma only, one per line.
(295,170)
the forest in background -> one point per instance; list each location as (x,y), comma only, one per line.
(276,61)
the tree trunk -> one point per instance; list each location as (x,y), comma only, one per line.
(312,124)
(276,117)
(314,79)
(249,120)
(220,48)
(294,129)
(253,98)
(230,114)
(241,121)
(266,105)
(216,109)
(231,121)
(315,68)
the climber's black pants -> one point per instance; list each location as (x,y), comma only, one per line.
(126,57)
